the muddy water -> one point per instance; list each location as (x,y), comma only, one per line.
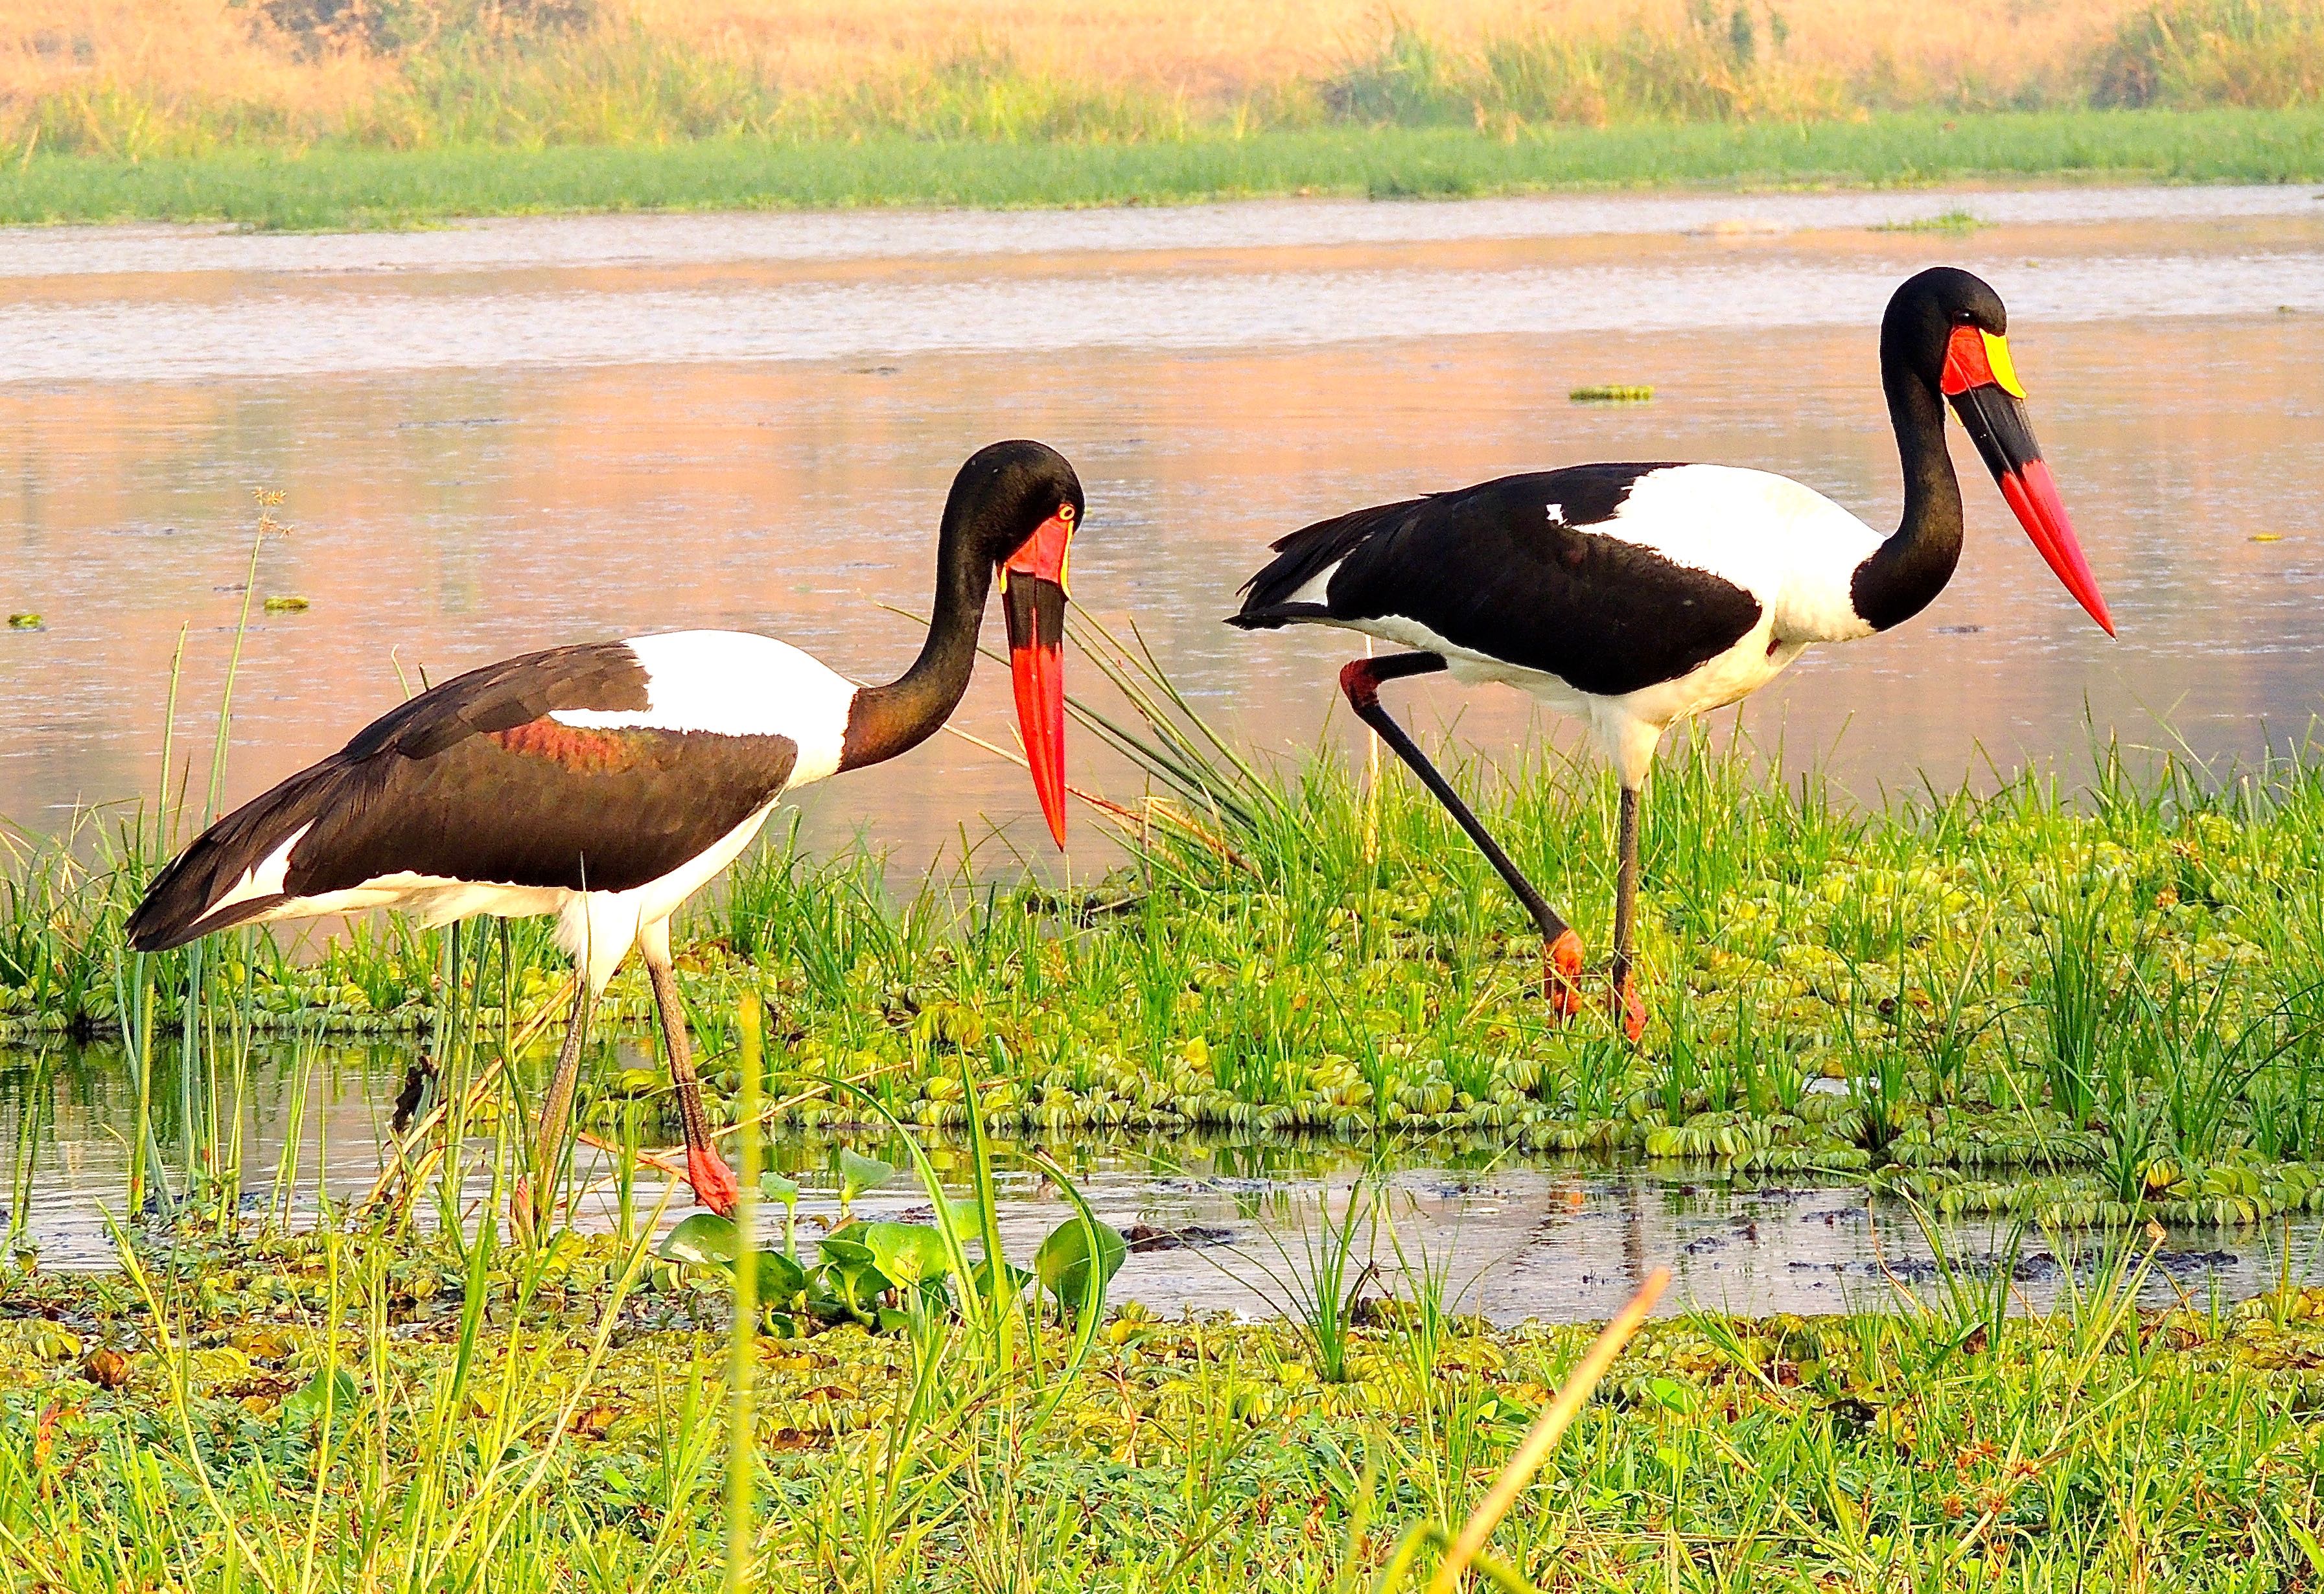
(502,436)
(1219,1224)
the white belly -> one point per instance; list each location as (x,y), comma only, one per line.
(1629,726)
(596,928)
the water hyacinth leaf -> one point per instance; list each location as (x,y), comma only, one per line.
(1062,1262)
(912,1254)
(782,1191)
(858,1173)
(780,1277)
(1671,1394)
(852,1272)
(1012,1281)
(845,1249)
(336,1387)
(705,1240)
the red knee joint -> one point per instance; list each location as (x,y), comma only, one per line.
(1360,682)
(713,1185)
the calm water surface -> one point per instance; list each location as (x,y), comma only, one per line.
(1230,1222)
(506,435)
(503,435)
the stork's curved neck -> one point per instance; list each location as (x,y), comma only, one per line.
(1912,565)
(886,721)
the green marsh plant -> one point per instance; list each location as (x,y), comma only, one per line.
(1317,1276)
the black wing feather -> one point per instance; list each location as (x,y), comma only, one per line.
(1306,554)
(473,781)
(1488,569)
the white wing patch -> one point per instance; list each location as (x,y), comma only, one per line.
(1557,514)
(1317,588)
(732,683)
(265,878)
(1785,544)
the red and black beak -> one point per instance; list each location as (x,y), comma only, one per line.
(1982,384)
(1033,601)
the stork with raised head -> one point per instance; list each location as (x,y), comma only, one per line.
(1633,596)
(607,782)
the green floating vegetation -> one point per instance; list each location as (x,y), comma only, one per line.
(25,620)
(1611,395)
(2085,1010)
(329,1411)
(1957,222)
(286,603)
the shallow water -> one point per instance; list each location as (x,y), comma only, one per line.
(1219,1224)
(507,435)
(519,432)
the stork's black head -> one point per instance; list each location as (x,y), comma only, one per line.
(1949,330)
(1925,313)
(1010,501)
(1016,505)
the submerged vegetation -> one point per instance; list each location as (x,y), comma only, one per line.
(297,113)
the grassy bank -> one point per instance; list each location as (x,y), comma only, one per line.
(2092,1011)
(352,1413)
(338,188)
(82,77)
(312,113)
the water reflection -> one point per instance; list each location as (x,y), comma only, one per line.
(647,423)
(523,433)
(1217,1224)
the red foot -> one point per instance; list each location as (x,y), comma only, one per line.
(714,1186)
(1561,975)
(1630,1009)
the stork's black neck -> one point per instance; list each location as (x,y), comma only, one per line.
(886,721)
(1912,565)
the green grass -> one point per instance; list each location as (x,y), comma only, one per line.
(324,1412)
(2091,1013)
(2088,1012)
(335,187)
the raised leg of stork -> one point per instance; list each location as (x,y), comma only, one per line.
(1561,948)
(557,1107)
(705,1169)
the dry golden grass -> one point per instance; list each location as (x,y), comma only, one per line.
(172,49)
(157,77)
(1214,51)
(1207,52)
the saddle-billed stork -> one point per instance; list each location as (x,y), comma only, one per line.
(1633,595)
(607,782)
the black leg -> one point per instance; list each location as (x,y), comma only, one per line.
(1561,948)
(557,1107)
(705,1170)
(1629,1011)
